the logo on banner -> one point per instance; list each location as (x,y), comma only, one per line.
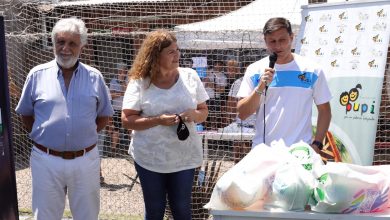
(343,16)
(338,40)
(334,63)
(350,100)
(318,52)
(323,29)
(377,39)
(359,27)
(304,41)
(308,19)
(337,52)
(326,18)
(381,13)
(372,64)
(355,52)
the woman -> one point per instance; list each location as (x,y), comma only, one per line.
(158,93)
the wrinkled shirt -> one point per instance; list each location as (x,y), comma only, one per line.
(64,119)
(158,148)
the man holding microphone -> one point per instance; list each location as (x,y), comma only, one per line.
(281,90)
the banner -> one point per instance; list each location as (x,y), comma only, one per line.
(350,41)
(200,65)
(8,196)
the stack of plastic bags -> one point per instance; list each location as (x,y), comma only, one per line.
(291,178)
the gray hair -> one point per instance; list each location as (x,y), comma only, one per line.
(72,25)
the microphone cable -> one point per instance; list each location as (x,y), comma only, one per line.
(272,60)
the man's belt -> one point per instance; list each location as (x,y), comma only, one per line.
(68,155)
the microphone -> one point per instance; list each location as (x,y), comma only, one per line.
(272,60)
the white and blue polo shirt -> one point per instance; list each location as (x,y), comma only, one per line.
(289,99)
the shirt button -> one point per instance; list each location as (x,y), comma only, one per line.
(67,134)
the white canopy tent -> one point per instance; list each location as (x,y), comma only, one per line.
(239,29)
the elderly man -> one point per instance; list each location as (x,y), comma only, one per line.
(63,105)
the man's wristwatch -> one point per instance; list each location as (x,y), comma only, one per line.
(318,144)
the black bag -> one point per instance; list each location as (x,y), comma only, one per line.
(182,130)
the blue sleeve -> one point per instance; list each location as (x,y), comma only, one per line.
(104,107)
(26,103)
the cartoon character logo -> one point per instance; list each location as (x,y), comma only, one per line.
(351,96)
(355,51)
(334,63)
(372,64)
(308,19)
(323,29)
(354,93)
(303,77)
(318,52)
(343,16)
(376,39)
(338,40)
(381,13)
(349,100)
(359,27)
(304,41)
(344,98)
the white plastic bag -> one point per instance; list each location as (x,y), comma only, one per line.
(294,182)
(306,156)
(248,181)
(348,188)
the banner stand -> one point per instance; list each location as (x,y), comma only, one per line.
(8,194)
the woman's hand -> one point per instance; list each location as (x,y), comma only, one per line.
(168,120)
(197,115)
(188,116)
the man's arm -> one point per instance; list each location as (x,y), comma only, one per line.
(323,121)
(101,122)
(28,121)
(249,105)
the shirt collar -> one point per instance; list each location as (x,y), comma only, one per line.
(59,71)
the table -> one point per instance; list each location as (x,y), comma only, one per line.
(262,215)
(215,135)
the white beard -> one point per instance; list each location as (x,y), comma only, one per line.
(67,64)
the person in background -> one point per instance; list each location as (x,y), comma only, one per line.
(64,103)
(234,82)
(117,89)
(284,111)
(240,148)
(158,95)
(215,83)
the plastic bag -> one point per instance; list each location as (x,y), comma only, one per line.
(348,188)
(248,181)
(294,182)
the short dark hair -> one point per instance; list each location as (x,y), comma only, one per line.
(275,24)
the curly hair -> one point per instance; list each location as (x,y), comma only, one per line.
(146,63)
